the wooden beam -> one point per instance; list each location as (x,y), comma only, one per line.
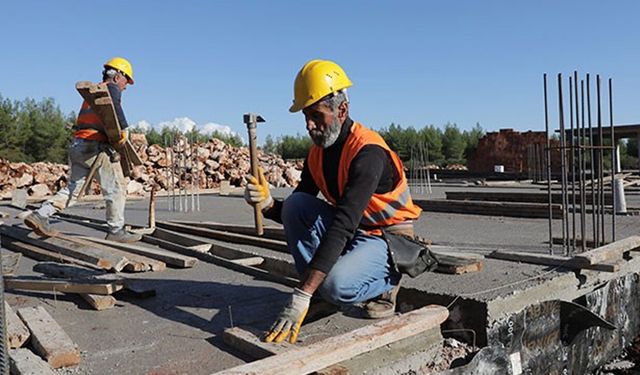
(612,251)
(508,209)
(37,253)
(24,362)
(226,236)
(17,332)
(49,339)
(181,239)
(553,260)
(65,245)
(167,257)
(86,286)
(314,357)
(452,261)
(132,263)
(276,233)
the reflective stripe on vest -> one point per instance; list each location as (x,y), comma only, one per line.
(385,209)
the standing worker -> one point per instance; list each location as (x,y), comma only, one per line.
(90,140)
(337,245)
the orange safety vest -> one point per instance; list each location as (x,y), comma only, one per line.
(88,125)
(393,207)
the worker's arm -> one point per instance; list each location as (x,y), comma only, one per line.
(116,95)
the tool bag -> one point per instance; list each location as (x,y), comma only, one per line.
(409,256)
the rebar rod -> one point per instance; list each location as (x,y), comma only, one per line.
(582,161)
(548,152)
(563,169)
(594,215)
(600,161)
(572,161)
(614,163)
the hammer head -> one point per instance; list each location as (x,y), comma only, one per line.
(252,118)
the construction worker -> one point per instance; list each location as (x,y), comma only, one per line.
(337,244)
(90,140)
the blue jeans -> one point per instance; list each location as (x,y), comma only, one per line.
(363,270)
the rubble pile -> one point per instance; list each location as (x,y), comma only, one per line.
(204,165)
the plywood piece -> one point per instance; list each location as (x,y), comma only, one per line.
(85,286)
(49,340)
(17,332)
(314,357)
(24,362)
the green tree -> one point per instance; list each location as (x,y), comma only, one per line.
(453,144)
(471,138)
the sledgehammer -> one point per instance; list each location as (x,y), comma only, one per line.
(252,120)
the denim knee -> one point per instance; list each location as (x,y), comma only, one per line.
(293,206)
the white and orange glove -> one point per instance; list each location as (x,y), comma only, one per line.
(290,319)
(258,191)
(124,135)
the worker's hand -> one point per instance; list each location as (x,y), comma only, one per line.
(290,319)
(124,135)
(258,191)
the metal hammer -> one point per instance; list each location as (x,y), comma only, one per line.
(252,120)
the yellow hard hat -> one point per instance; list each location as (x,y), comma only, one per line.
(123,65)
(317,79)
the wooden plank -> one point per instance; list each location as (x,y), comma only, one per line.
(86,286)
(182,239)
(530,197)
(61,244)
(225,236)
(454,262)
(553,260)
(314,357)
(38,253)
(24,362)
(133,262)
(49,339)
(250,261)
(275,233)
(612,251)
(17,332)
(99,302)
(167,257)
(227,263)
(508,209)
(65,271)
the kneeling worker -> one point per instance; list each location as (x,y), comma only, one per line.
(90,140)
(337,245)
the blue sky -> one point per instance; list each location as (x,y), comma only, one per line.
(413,63)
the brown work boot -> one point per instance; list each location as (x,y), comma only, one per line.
(123,236)
(39,224)
(382,306)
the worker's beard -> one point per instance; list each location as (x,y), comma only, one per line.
(327,137)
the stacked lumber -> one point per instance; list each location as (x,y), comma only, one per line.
(508,209)
(50,346)
(216,162)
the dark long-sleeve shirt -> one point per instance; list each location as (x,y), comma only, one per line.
(371,171)
(116,96)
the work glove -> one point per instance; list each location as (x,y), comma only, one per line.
(290,319)
(258,192)
(124,135)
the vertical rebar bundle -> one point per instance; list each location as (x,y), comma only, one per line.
(581,152)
